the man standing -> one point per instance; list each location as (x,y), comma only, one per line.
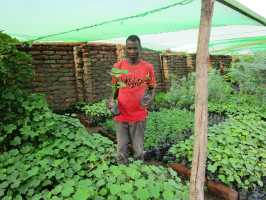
(134,97)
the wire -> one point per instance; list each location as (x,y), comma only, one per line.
(184,2)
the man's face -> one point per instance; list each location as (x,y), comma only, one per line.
(133,50)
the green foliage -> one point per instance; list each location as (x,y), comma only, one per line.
(162,127)
(116,73)
(236,151)
(15,76)
(109,125)
(160,101)
(239,104)
(97,112)
(137,181)
(51,169)
(167,126)
(15,68)
(33,120)
(249,72)
(48,156)
(182,92)
(6,39)
(218,89)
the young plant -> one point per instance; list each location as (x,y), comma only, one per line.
(116,73)
(166,126)
(97,112)
(236,152)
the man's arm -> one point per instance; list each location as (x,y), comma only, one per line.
(150,93)
(148,97)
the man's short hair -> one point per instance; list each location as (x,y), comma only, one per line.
(134,38)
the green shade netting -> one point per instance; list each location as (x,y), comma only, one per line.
(90,20)
(238,46)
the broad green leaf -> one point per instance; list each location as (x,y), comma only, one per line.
(81,194)
(67,190)
(33,171)
(114,189)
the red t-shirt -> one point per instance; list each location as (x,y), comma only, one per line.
(139,78)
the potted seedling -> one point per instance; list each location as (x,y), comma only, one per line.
(116,73)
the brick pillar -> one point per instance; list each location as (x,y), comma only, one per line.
(78,64)
(165,72)
(120,51)
(189,63)
(87,75)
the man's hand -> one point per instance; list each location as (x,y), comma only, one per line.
(148,97)
(110,103)
(113,107)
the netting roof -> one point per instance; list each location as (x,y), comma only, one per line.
(83,20)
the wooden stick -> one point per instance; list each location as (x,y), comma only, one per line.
(201,101)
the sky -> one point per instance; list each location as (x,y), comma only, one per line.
(259,6)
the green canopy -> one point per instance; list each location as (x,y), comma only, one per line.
(238,46)
(83,20)
(93,20)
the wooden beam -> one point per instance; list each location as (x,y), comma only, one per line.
(201,104)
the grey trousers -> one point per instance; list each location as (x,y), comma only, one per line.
(130,132)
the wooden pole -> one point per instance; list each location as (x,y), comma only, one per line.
(201,104)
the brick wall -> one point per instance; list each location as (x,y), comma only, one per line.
(54,73)
(101,59)
(72,72)
(179,65)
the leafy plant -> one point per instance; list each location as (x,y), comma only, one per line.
(160,101)
(109,125)
(236,151)
(48,171)
(218,89)
(182,91)
(97,112)
(163,127)
(137,181)
(15,78)
(167,126)
(239,104)
(116,84)
(249,72)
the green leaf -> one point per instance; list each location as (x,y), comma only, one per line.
(81,194)
(85,183)
(168,194)
(116,171)
(133,173)
(212,168)
(16,141)
(154,190)
(127,187)
(100,183)
(114,189)
(67,190)
(127,197)
(57,189)
(142,194)
(10,128)
(4,185)
(13,152)
(2,192)
(34,171)
(103,192)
